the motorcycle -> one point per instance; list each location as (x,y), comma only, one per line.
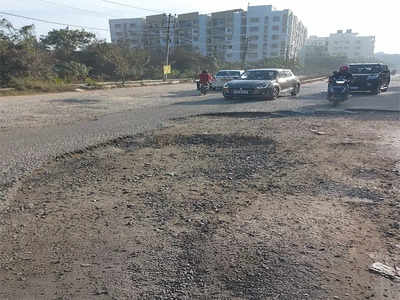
(338,90)
(204,88)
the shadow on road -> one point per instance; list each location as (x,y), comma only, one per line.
(182,94)
(218,101)
(76,101)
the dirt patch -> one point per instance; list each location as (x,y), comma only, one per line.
(210,208)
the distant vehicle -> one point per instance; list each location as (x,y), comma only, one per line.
(374,78)
(263,83)
(225,76)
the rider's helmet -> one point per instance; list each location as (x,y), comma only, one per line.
(344,69)
(204,71)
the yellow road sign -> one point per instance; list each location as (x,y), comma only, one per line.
(167,69)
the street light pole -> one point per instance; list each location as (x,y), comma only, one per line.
(168,38)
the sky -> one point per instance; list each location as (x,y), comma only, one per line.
(320,17)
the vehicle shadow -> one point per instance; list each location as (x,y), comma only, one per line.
(220,100)
(182,94)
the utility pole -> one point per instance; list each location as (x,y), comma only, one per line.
(168,38)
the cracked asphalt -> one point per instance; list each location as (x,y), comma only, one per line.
(34,129)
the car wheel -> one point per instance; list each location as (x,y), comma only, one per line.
(274,94)
(227,97)
(296,90)
(377,91)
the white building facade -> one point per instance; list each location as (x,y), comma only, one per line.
(350,44)
(128,30)
(233,36)
(226,35)
(343,43)
(273,33)
(191,32)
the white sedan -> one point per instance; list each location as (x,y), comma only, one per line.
(225,76)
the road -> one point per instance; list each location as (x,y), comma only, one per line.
(34,129)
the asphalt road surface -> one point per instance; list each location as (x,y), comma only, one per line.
(34,129)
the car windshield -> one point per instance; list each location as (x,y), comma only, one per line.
(364,69)
(260,75)
(228,74)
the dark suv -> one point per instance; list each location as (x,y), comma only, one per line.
(374,78)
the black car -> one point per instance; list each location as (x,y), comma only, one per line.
(263,83)
(373,78)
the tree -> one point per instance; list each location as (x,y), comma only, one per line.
(20,54)
(65,41)
(118,61)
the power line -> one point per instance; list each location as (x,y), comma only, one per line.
(76,8)
(135,7)
(50,22)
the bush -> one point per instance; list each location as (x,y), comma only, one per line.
(29,83)
(72,71)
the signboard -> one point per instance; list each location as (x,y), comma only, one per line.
(167,69)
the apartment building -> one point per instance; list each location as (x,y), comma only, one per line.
(191,32)
(227,35)
(128,30)
(273,33)
(350,44)
(156,33)
(233,35)
(342,43)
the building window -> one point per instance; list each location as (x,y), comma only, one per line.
(252,55)
(229,55)
(274,46)
(132,25)
(253,46)
(254,20)
(118,26)
(275,28)
(276,19)
(253,38)
(254,29)
(274,54)
(275,37)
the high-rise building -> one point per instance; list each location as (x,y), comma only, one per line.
(157,29)
(348,44)
(227,34)
(128,30)
(273,33)
(191,32)
(232,35)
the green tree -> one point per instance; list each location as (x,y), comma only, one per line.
(20,54)
(66,41)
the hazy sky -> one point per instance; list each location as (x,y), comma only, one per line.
(379,18)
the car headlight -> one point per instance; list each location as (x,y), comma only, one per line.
(262,86)
(373,77)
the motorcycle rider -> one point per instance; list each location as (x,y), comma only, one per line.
(205,78)
(343,73)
